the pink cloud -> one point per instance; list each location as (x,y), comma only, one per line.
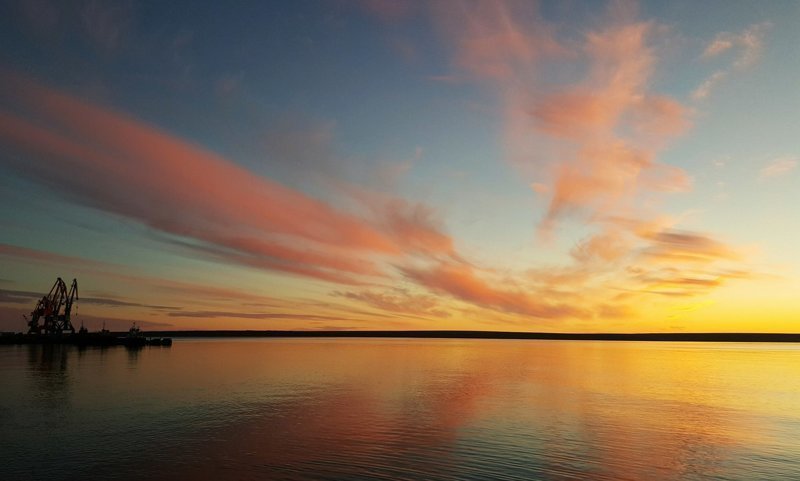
(114,163)
(207,203)
(616,128)
(658,116)
(597,135)
(495,40)
(574,114)
(413,226)
(17,252)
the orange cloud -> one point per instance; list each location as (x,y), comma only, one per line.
(683,281)
(460,281)
(640,257)
(678,263)
(671,245)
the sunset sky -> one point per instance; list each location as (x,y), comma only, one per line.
(562,166)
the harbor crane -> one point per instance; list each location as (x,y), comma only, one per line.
(48,317)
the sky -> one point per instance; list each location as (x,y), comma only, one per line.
(555,166)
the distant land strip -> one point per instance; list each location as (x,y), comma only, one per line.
(681,336)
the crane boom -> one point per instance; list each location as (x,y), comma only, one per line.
(47,316)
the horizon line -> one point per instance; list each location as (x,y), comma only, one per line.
(474,334)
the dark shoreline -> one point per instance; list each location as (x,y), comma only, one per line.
(112,338)
(693,337)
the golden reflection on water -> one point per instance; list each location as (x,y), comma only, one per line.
(444,409)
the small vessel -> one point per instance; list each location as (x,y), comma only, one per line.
(159,341)
(134,338)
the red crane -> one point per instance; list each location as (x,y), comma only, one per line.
(48,317)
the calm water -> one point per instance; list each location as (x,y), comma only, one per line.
(401,409)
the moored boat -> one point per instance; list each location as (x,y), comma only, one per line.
(134,338)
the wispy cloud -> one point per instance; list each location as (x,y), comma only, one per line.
(115,302)
(256,315)
(747,45)
(671,245)
(15,296)
(677,282)
(34,255)
(398,300)
(778,167)
(464,282)
(720,44)
(106,160)
(176,299)
(642,258)
(705,88)
(103,271)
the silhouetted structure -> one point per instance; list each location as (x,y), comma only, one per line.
(47,317)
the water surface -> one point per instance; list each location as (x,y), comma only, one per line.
(401,409)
